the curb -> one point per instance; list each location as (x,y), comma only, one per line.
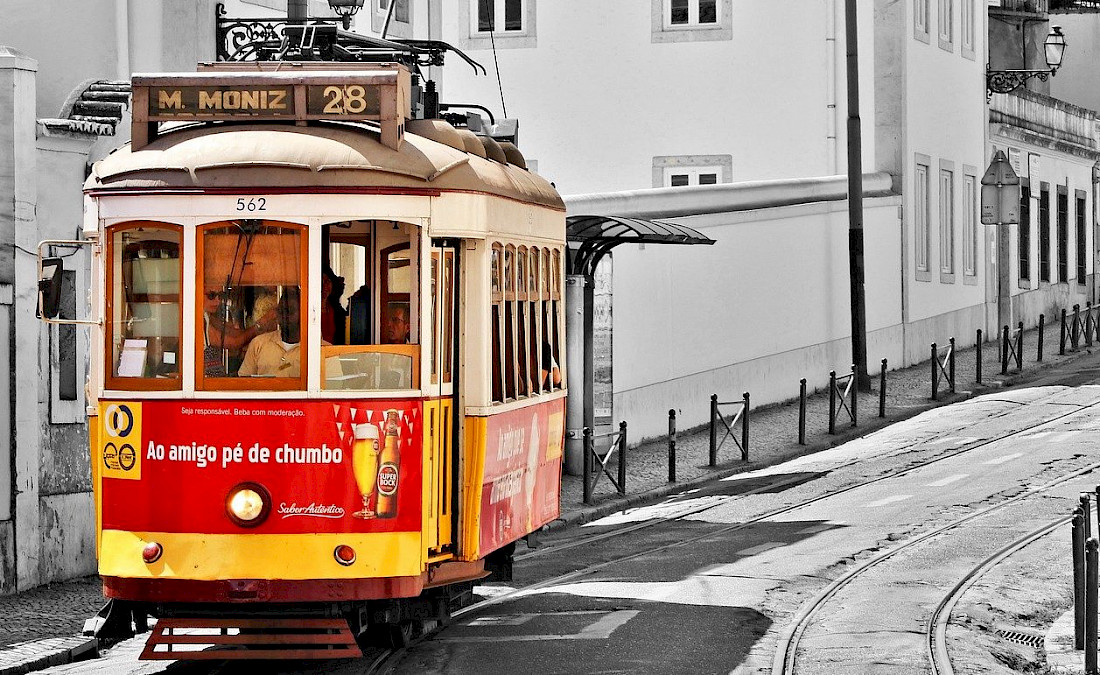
(50,655)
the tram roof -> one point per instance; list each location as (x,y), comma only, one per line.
(321,155)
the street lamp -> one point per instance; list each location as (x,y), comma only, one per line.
(1004,81)
(346,9)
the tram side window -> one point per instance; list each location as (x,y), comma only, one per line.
(555,318)
(520,308)
(511,376)
(252,321)
(497,289)
(144,326)
(377,260)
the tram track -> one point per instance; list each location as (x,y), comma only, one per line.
(516,593)
(936,633)
(786,650)
(769,487)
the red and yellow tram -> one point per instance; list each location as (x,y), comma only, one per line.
(324,371)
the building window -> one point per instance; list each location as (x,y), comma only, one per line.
(920,20)
(400,9)
(1025,231)
(497,24)
(922,238)
(692,20)
(946,24)
(1063,235)
(683,176)
(970,229)
(683,13)
(683,170)
(1082,255)
(493,16)
(947,223)
(967,26)
(1044,232)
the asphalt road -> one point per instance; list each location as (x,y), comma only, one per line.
(710,581)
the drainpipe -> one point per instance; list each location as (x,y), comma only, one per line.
(1095,234)
(831,95)
(122,39)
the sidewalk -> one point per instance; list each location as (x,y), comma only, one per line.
(42,626)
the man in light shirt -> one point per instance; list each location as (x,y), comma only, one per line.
(277,353)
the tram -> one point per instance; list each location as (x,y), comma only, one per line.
(325,390)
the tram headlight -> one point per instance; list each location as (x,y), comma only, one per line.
(248,504)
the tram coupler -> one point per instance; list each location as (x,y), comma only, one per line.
(117,621)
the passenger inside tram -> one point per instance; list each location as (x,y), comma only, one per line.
(277,353)
(225,338)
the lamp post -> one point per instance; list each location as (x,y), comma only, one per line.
(1004,81)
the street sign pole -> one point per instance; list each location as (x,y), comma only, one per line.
(1001,207)
(855,205)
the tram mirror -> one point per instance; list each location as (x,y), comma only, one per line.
(49,287)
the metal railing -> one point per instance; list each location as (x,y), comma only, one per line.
(846,396)
(1012,348)
(593,458)
(944,366)
(716,418)
(1080,324)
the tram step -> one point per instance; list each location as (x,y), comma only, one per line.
(205,639)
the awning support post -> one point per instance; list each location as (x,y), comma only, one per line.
(575,331)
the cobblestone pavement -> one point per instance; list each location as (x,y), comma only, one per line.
(40,624)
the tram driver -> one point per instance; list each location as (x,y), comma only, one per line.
(278,353)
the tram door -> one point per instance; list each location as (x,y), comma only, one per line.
(442,321)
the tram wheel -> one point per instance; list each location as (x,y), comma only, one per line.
(401,634)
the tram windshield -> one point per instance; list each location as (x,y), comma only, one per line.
(252,301)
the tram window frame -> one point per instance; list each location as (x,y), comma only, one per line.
(522,350)
(547,316)
(511,374)
(253,383)
(534,309)
(496,294)
(556,313)
(110,362)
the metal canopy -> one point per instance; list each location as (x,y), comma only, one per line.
(597,235)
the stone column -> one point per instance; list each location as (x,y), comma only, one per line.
(18,197)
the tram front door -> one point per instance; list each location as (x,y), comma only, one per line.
(441,427)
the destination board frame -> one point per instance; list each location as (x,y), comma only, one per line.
(380,94)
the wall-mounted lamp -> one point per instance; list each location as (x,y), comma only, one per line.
(346,9)
(1004,81)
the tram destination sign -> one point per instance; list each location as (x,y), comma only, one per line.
(378,94)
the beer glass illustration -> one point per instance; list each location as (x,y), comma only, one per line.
(364,465)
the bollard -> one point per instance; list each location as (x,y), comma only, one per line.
(882,390)
(587,473)
(1062,335)
(1042,325)
(1075,329)
(1090,605)
(1088,324)
(935,367)
(978,357)
(672,445)
(714,429)
(832,401)
(1078,543)
(1086,513)
(1020,347)
(951,365)
(745,430)
(622,457)
(1004,349)
(802,411)
(855,394)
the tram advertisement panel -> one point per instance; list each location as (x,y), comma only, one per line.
(322,466)
(522,478)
